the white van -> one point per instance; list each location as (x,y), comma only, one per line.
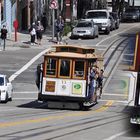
(100,18)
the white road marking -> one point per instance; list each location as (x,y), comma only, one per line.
(115,35)
(117,135)
(12,77)
(25,92)
(6,110)
(24,98)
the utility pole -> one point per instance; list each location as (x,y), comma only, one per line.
(71,12)
(29,14)
(133,4)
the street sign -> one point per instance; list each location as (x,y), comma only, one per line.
(15,24)
(53,4)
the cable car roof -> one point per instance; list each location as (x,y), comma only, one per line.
(71,55)
(73,51)
(72,46)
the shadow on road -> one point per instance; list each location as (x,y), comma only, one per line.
(44,105)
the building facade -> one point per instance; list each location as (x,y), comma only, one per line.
(7,14)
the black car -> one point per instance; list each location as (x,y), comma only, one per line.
(112,27)
(116,19)
(131,15)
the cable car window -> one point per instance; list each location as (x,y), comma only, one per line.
(79,69)
(51,67)
(65,68)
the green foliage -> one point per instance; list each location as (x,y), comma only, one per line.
(67,29)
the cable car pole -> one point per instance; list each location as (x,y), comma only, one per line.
(53,21)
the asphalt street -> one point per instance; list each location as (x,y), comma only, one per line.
(27,119)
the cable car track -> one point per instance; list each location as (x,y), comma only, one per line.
(79,125)
(118,48)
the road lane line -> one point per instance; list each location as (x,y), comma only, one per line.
(13,76)
(39,120)
(24,98)
(116,101)
(25,92)
(117,135)
(115,35)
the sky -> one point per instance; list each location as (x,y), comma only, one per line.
(137,2)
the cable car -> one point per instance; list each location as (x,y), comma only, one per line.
(134,89)
(65,74)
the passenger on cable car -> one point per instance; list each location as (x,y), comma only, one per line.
(65,68)
(93,84)
(100,82)
(38,74)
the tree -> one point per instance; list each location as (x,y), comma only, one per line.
(64,10)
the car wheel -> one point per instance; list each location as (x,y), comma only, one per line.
(135,127)
(97,35)
(6,98)
(72,36)
(107,31)
(93,36)
(10,99)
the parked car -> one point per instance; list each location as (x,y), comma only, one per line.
(116,19)
(131,14)
(85,29)
(112,27)
(100,18)
(6,89)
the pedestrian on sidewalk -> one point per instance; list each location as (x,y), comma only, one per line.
(32,31)
(44,21)
(59,27)
(39,32)
(4,35)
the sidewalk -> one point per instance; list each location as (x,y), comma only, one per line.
(23,41)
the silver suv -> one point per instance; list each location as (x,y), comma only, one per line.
(100,18)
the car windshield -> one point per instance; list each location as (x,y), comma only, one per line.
(97,15)
(1,81)
(84,24)
(131,11)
